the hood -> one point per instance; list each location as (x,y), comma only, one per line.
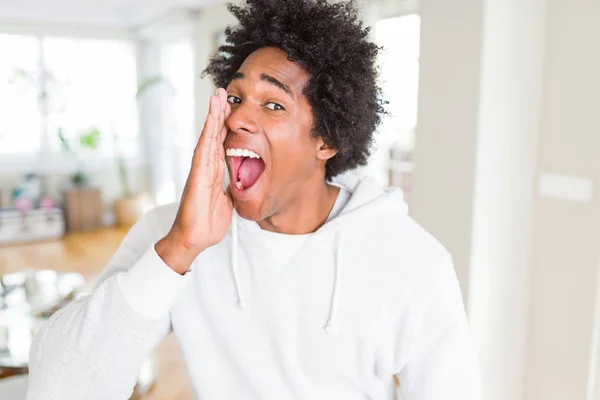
(367,199)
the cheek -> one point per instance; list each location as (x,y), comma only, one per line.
(292,150)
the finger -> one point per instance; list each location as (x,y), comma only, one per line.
(215,104)
(203,135)
(227,110)
(219,96)
(207,137)
(222,95)
(216,109)
(204,145)
(221,121)
(225,129)
(221,110)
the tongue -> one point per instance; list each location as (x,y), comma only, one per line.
(250,170)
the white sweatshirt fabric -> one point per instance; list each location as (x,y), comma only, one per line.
(330,315)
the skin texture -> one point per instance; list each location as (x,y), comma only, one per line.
(272,117)
(265,111)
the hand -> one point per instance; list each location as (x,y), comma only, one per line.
(205,209)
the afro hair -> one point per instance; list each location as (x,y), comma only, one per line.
(330,42)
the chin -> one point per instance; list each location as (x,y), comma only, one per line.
(248,210)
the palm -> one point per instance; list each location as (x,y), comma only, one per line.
(205,210)
(222,216)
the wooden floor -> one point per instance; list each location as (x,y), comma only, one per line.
(88,253)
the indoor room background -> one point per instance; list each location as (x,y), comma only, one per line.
(493,134)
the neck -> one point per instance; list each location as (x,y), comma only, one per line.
(307,213)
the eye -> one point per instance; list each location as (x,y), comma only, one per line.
(234,100)
(274,106)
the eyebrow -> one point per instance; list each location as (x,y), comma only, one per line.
(267,78)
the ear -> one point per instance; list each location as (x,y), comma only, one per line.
(323,152)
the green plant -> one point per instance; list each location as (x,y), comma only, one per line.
(88,139)
(80,179)
(21,77)
(64,142)
(146,84)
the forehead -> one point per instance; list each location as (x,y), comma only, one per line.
(274,62)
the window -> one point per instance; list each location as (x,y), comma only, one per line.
(91,84)
(399,74)
(20,117)
(168,112)
(178,107)
(73,85)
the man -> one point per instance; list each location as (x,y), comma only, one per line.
(314,287)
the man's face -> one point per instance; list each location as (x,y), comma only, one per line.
(270,117)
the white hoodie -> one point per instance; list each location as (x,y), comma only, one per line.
(329,315)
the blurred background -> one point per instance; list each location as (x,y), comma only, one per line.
(494,136)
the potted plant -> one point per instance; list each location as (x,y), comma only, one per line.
(130,207)
(82,203)
(87,140)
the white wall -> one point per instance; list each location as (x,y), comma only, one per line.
(479,112)
(442,198)
(510,91)
(566,234)
(509,115)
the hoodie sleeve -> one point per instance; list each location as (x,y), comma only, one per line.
(94,348)
(441,363)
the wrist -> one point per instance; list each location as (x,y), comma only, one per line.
(177,254)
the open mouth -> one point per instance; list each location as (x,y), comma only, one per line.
(246,167)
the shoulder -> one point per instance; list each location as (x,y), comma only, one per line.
(402,246)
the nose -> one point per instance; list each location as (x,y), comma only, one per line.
(243,118)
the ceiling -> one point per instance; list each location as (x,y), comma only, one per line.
(92,13)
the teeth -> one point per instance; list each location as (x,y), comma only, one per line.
(239,185)
(241,153)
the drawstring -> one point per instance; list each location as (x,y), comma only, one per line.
(331,327)
(234,261)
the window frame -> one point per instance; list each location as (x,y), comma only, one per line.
(45,161)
